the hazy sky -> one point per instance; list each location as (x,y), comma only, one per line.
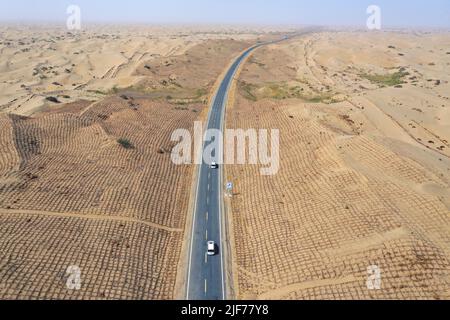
(433,13)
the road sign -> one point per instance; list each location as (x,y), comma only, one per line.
(229,192)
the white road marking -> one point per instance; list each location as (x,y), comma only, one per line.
(206,286)
(207,216)
(206,235)
(206,257)
(221,251)
(192,237)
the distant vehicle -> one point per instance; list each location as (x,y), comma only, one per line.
(214,165)
(211,248)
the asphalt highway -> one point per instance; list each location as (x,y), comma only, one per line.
(206,273)
(206,278)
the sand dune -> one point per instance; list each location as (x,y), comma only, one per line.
(41,62)
(86,178)
(365,168)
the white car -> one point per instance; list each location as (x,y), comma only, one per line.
(211,248)
(214,165)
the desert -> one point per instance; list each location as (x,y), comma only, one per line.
(87,181)
(86,178)
(364,174)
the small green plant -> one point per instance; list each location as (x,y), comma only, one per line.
(52,99)
(281,91)
(254,61)
(247,89)
(200,93)
(125,143)
(388,80)
(99,92)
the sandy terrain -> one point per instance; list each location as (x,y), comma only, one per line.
(86,177)
(70,194)
(365,168)
(40,62)
(89,182)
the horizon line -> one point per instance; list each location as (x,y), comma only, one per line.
(216,24)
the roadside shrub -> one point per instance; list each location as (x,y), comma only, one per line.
(125,143)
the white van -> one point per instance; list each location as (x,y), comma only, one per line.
(211,248)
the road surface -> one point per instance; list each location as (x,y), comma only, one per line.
(206,279)
(206,275)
